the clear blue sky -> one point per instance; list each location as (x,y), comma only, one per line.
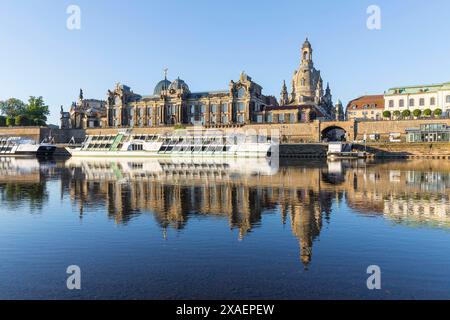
(208,43)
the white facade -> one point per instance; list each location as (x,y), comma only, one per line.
(419,97)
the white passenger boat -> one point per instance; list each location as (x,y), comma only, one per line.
(181,143)
(17,146)
(339,150)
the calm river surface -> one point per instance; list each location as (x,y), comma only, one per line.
(163,229)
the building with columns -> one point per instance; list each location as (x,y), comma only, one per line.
(243,102)
(172,103)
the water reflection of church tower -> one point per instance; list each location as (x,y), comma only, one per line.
(306,220)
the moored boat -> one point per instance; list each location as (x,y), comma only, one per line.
(18,146)
(181,143)
(339,150)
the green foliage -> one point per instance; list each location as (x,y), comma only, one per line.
(387,114)
(22,120)
(417,113)
(10,121)
(406,113)
(437,112)
(427,112)
(2,121)
(396,113)
(37,111)
(21,114)
(12,107)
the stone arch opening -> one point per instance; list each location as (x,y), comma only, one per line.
(333,133)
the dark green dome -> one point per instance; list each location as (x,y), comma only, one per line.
(162,85)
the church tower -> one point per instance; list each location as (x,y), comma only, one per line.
(305,80)
(284,98)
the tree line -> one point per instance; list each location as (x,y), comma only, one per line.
(417,113)
(15,112)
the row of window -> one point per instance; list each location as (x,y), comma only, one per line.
(412,102)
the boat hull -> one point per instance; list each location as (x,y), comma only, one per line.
(153,154)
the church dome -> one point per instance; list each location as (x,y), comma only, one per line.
(179,84)
(162,85)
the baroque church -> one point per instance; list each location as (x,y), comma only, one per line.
(307,91)
(243,102)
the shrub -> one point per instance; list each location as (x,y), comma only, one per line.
(427,112)
(10,121)
(2,121)
(21,121)
(396,113)
(417,113)
(437,112)
(387,114)
(406,113)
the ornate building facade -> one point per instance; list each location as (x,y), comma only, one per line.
(173,103)
(84,113)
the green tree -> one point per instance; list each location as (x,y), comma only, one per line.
(10,121)
(387,114)
(12,107)
(37,111)
(406,114)
(437,112)
(2,121)
(396,114)
(417,113)
(427,112)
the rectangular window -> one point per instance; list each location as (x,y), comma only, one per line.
(269,118)
(391,103)
(422,102)
(241,107)
(213,108)
(401,103)
(224,107)
(225,119)
(281,118)
(432,101)
(447,99)
(411,102)
(192,109)
(203,108)
(259,118)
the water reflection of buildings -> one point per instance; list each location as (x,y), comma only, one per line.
(413,193)
(174,191)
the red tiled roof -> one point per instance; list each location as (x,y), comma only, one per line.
(367,102)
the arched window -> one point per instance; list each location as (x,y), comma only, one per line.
(303,82)
(305,55)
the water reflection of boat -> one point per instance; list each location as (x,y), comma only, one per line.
(124,169)
(19,169)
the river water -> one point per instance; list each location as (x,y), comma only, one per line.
(192,229)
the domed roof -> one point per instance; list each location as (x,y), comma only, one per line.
(179,84)
(307,44)
(162,85)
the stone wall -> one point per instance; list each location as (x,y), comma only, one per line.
(26,132)
(289,133)
(406,150)
(384,128)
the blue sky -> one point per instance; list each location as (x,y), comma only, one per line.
(208,43)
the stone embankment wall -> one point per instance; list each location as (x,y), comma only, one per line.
(435,150)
